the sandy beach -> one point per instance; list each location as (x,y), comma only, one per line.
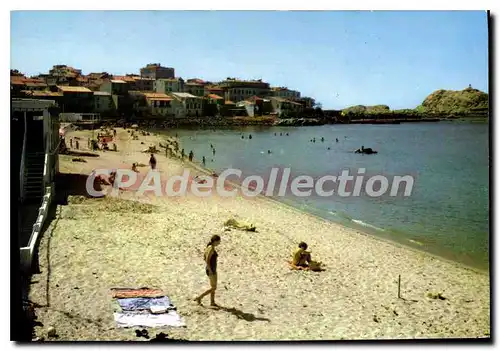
(94,245)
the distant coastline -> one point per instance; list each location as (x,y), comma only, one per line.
(441,105)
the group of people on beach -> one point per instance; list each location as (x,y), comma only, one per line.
(301,260)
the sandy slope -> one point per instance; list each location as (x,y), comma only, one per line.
(97,244)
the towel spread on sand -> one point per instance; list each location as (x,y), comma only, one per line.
(125,320)
(144,307)
(129,292)
(144,303)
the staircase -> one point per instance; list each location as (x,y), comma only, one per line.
(33,177)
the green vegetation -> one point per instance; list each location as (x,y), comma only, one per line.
(441,103)
(462,102)
(361,109)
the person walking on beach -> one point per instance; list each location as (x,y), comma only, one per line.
(203,160)
(213,151)
(191,156)
(210,257)
(183,154)
(152,161)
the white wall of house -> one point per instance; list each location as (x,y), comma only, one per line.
(171,108)
(249,107)
(166,86)
(283,108)
(194,89)
(286,94)
(194,107)
(103,103)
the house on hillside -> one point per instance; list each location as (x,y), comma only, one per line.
(35,84)
(115,87)
(43,95)
(285,108)
(249,107)
(164,105)
(193,105)
(262,106)
(157,71)
(103,103)
(76,99)
(285,93)
(212,105)
(215,99)
(195,89)
(214,89)
(167,86)
(237,90)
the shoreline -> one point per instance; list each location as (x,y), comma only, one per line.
(362,231)
(359,228)
(269,121)
(98,244)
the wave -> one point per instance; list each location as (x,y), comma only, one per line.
(357,221)
(340,214)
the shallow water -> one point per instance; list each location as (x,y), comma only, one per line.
(447,213)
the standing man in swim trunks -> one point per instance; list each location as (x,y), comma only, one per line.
(210,257)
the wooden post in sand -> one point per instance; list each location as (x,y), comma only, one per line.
(399,286)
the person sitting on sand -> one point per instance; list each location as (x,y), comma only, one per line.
(301,258)
(210,257)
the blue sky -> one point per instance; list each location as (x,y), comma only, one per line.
(340,58)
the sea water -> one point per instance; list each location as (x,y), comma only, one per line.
(447,213)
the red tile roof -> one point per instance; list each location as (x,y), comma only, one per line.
(215,97)
(41,93)
(71,89)
(157,97)
(124,78)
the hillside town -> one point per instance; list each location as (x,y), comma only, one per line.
(156,93)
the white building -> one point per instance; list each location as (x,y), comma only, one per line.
(193,105)
(164,105)
(169,85)
(285,93)
(103,102)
